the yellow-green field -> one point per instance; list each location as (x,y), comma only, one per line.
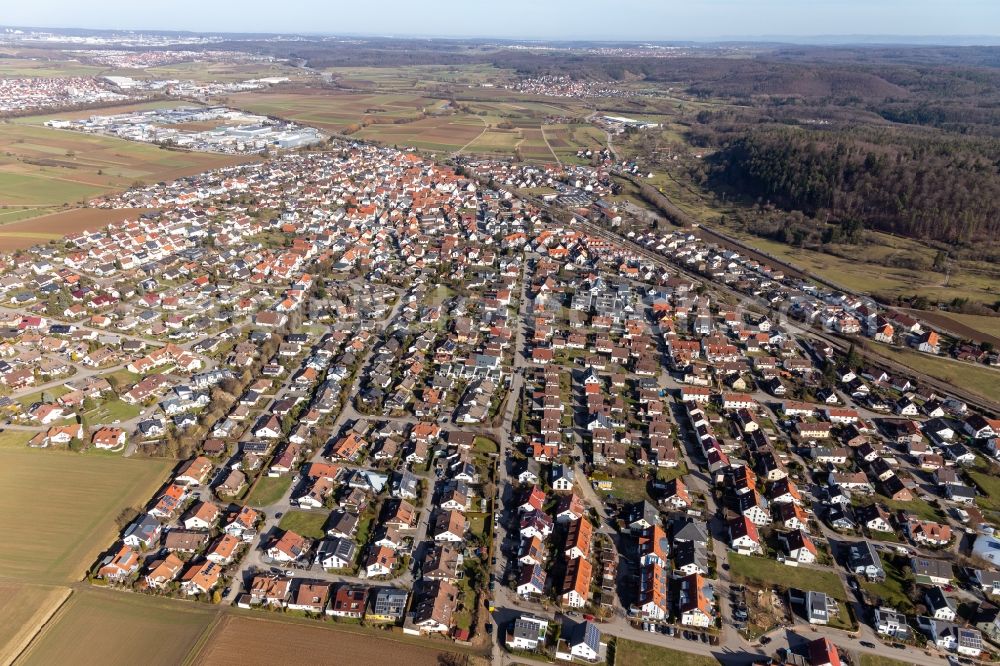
(107,627)
(988,325)
(23,609)
(41,167)
(58,509)
(502,124)
(977,379)
(334,110)
(41,65)
(416,77)
(206,71)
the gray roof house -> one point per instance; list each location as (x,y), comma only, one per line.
(864,561)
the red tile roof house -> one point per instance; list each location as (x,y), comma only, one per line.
(108,438)
(348,601)
(289,548)
(310,597)
(201,578)
(194,472)
(122,564)
(269,590)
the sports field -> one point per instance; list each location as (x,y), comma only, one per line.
(58,509)
(106,627)
(239,640)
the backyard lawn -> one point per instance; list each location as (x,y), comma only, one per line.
(772,572)
(989,486)
(916,506)
(269,489)
(890,591)
(305,523)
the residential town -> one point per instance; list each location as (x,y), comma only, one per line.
(413,396)
(18,95)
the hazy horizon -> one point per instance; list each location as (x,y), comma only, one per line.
(824,21)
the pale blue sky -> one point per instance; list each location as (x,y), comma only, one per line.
(525,19)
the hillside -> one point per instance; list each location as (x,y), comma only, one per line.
(937,187)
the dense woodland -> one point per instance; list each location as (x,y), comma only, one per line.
(927,186)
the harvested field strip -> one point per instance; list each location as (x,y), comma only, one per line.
(76,520)
(24,610)
(107,627)
(240,639)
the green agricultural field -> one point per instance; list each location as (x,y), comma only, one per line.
(46,67)
(42,189)
(398,112)
(269,489)
(643,654)
(14,439)
(107,627)
(336,111)
(19,213)
(771,572)
(305,523)
(218,71)
(419,76)
(58,509)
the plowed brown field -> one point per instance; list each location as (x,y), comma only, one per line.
(35,230)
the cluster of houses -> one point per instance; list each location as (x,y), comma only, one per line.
(185,542)
(373,604)
(37,93)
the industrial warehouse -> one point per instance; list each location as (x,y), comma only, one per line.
(213,129)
